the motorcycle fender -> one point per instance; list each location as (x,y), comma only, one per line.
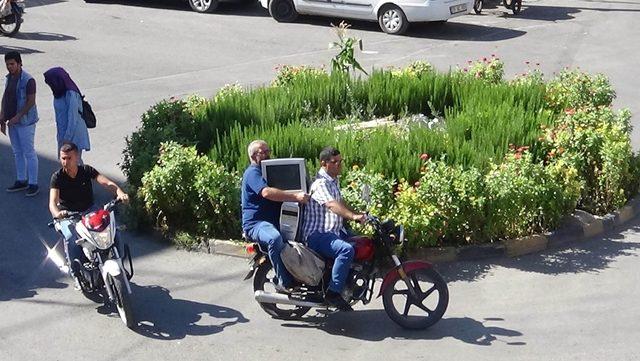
(110,267)
(393,275)
(255,263)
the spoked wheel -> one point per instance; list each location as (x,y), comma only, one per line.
(203,6)
(392,20)
(477,6)
(264,280)
(516,6)
(10,24)
(421,310)
(123,301)
(283,11)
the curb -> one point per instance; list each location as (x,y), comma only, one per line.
(579,226)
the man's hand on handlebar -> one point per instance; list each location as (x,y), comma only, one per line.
(62,214)
(302,197)
(360,218)
(122,196)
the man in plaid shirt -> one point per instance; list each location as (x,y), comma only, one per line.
(323,226)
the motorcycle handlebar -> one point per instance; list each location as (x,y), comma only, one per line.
(76,215)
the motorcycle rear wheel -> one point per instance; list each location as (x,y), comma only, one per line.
(426,282)
(13,27)
(264,276)
(123,301)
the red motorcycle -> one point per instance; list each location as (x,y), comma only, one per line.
(414,295)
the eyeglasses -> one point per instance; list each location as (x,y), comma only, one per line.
(265,151)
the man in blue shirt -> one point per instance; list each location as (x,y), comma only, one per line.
(19,114)
(261,211)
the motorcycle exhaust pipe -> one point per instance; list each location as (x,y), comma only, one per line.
(268,297)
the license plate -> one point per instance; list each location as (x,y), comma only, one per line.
(458,8)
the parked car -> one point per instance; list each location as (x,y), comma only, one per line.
(206,6)
(393,16)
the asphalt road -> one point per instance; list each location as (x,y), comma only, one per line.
(573,304)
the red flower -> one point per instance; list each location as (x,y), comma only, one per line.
(417,184)
(518,155)
(527,62)
(424,157)
(570,111)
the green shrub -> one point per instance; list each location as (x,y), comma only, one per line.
(446,204)
(596,142)
(524,197)
(574,89)
(490,69)
(187,192)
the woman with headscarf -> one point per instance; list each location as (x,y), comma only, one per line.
(67,103)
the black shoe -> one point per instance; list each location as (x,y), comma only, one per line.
(335,299)
(18,186)
(32,190)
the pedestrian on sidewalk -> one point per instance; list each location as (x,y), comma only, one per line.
(18,114)
(67,104)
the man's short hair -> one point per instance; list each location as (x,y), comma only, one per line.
(253,147)
(13,55)
(69,147)
(327,153)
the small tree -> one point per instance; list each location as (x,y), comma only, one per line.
(345,58)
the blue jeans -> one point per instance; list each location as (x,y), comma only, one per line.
(71,249)
(24,152)
(270,239)
(330,245)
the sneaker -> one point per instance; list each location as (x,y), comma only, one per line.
(335,299)
(18,186)
(32,190)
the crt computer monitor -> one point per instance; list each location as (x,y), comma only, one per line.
(288,174)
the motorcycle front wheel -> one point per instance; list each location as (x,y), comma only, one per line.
(122,299)
(425,307)
(10,24)
(264,277)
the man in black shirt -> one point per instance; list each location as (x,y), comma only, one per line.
(72,190)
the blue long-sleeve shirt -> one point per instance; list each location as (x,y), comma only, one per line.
(71,127)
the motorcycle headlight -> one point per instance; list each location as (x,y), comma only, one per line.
(104,239)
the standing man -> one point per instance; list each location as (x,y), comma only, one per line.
(261,211)
(19,114)
(324,224)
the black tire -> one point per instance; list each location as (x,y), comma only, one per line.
(477,6)
(417,322)
(283,11)
(260,279)
(392,20)
(13,28)
(203,6)
(516,6)
(123,301)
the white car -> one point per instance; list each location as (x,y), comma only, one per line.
(393,16)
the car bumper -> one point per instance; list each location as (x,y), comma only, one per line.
(435,10)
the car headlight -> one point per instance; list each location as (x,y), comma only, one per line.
(104,239)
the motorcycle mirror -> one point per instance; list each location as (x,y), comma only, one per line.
(366,194)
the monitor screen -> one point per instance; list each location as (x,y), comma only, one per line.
(284,176)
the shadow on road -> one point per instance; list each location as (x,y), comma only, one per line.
(237,7)
(43,36)
(374,325)
(7,48)
(593,255)
(163,317)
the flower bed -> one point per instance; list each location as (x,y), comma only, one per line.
(506,159)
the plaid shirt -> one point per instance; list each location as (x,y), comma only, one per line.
(317,218)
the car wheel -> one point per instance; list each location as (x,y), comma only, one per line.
(477,6)
(203,6)
(392,20)
(283,11)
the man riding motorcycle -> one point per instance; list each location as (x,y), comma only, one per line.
(324,224)
(261,210)
(72,190)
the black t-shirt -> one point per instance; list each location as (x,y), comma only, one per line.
(76,194)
